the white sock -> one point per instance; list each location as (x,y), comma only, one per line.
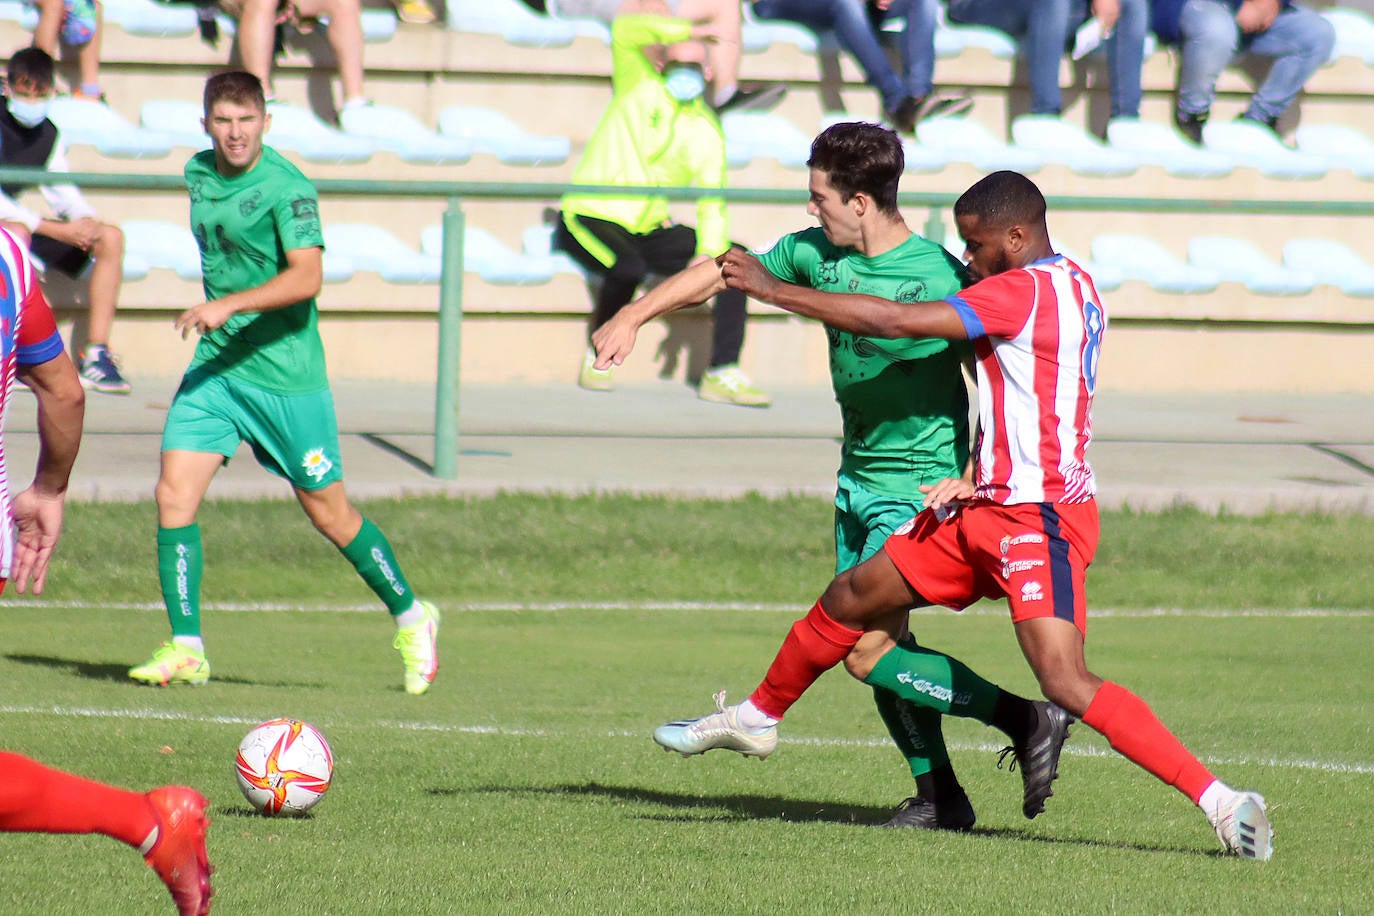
(751,717)
(190,642)
(722,94)
(358,101)
(411,617)
(1213,797)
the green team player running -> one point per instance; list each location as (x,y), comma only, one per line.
(904,408)
(258,376)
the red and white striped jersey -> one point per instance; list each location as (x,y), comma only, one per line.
(1037,333)
(28,336)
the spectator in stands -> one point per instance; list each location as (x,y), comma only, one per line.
(77,24)
(722,17)
(1210,33)
(1046,29)
(906,98)
(257,29)
(72,241)
(657,131)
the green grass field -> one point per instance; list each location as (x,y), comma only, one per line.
(526,781)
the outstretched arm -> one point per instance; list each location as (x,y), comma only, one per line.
(616,338)
(868,316)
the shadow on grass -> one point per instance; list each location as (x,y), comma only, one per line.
(119,673)
(731,808)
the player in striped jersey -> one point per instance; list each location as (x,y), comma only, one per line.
(1025,528)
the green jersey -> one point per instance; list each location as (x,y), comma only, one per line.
(244,226)
(902,402)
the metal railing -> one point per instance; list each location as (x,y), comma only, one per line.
(446,390)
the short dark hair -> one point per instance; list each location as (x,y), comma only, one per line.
(234,86)
(1003,199)
(32,64)
(861,157)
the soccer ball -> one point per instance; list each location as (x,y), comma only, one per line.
(284,767)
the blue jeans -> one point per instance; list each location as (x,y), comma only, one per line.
(1044,27)
(1299,41)
(857,34)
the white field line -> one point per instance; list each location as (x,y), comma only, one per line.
(79,712)
(995,610)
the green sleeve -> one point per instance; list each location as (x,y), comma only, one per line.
(780,260)
(297,215)
(944,277)
(630,35)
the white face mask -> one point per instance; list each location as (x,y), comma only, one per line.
(28,113)
(684,82)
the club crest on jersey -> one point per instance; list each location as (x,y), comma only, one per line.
(316,464)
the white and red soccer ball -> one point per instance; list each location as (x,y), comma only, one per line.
(284,767)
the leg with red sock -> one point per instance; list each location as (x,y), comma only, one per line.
(167,825)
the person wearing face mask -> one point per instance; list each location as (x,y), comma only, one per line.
(73,240)
(657,131)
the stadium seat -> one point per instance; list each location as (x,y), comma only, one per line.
(485,255)
(1239,261)
(953,38)
(763,134)
(372,248)
(398,131)
(538,241)
(1251,144)
(378,25)
(1106,277)
(1354,34)
(1144,259)
(26,14)
(918,156)
(755,31)
(298,129)
(136,266)
(1161,145)
(512,20)
(493,132)
(152,19)
(1064,143)
(163,244)
(92,123)
(1339,146)
(1334,264)
(178,120)
(965,140)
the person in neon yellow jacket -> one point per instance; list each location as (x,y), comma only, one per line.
(657,131)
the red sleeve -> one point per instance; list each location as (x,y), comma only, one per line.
(1001,302)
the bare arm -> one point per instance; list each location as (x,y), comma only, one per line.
(38,509)
(301,280)
(616,338)
(868,316)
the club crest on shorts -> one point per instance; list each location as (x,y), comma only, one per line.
(316,464)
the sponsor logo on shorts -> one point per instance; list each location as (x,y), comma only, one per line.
(1008,542)
(905,527)
(1032,591)
(934,691)
(316,464)
(1016,566)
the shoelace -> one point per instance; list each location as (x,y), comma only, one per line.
(1009,749)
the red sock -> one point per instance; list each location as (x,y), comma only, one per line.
(38,799)
(1137,734)
(815,644)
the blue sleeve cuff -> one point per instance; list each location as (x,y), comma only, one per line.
(973,326)
(41,352)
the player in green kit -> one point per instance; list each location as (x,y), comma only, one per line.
(258,376)
(904,408)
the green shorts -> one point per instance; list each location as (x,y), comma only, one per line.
(292,435)
(864,519)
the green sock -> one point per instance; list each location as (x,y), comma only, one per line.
(914,729)
(180,562)
(934,680)
(371,556)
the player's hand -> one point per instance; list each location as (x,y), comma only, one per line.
(202,318)
(614,340)
(742,271)
(38,523)
(1256,15)
(1107,13)
(87,230)
(948,492)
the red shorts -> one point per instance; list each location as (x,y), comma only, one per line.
(1035,555)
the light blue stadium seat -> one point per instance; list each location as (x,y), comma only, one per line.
(537,241)
(493,132)
(1061,142)
(1334,264)
(1239,261)
(755,31)
(1339,146)
(136,266)
(488,257)
(918,157)
(763,134)
(377,25)
(152,19)
(591,28)
(1354,34)
(163,244)
(1106,277)
(1144,259)
(1251,144)
(298,129)
(965,140)
(400,132)
(1161,145)
(512,20)
(953,38)
(178,120)
(372,248)
(88,122)
(23,13)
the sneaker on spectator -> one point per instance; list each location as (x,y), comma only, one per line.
(1190,125)
(941,105)
(592,378)
(760,98)
(729,385)
(100,371)
(415,12)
